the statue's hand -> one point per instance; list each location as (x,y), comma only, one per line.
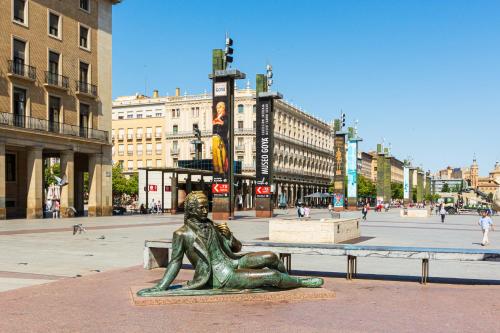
(224,229)
(149,291)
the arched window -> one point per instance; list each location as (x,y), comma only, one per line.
(240,108)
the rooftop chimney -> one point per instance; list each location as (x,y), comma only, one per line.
(155,93)
(177,92)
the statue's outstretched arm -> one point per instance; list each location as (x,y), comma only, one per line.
(175,264)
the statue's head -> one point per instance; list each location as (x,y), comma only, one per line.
(196,206)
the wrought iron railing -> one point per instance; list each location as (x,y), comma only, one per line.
(44,125)
(86,88)
(57,80)
(19,68)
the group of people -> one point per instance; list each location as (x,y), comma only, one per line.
(154,207)
(54,206)
(303,211)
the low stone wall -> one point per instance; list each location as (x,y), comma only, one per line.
(313,231)
(414,212)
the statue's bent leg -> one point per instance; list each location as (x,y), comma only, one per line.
(265,259)
(256,278)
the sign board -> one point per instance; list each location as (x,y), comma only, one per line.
(339,163)
(406,183)
(222,143)
(352,169)
(220,188)
(338,200)
(264,147)
(152,188)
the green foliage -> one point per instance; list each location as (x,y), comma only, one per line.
(49,172)
(432,197)
(366,188)
(446,188)
(397,190)
(123,185)
(414,194)
(490,196)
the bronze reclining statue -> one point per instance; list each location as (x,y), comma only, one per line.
(219,268)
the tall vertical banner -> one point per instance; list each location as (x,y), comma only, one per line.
(264,156)
(339,166)
(406,184)
(222,147)
(352,173)
(380,177)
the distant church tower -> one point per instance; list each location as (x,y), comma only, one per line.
(474,174)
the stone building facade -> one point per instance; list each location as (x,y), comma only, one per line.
(303,158)
(55,101)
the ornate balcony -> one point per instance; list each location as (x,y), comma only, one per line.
(43,125)
(17,68)
(85,88)
(57,81)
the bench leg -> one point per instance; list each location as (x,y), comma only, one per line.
(425,271)
(352,267)
(287,260)
(155,257)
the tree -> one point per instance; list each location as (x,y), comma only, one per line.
(119,181)
(446,188)
(133,184)
(490,196)
(49,172)
(366,188)
(397,190)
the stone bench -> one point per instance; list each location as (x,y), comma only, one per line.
(156,253)
(415,213)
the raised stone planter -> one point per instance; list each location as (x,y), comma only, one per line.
(313,231)
(414,212)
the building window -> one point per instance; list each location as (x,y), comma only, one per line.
(158,114)
(85,5)
(149,149)
(130,165)
(157,132)
(19,106)
(84,119)
(149,163)
(139,164)
(158,148)
(139,149)
(158,164)
(120,115)
(54,112)
(53,67)
(10,168)
(173,113)
(254,108)
(18,57)
(121,150)
(175,129)
(240,124)
(176,162)
(254,124)
(84,37)
(240,108)
(130,115)
(149,132)
(19,11)
(195,111)
(84,73)
(54,25)
(138,115)
(149,114)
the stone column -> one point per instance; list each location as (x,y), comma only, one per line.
(3,209)
(95,183)
(174,194)
(106,181)
(34,206)
(68,191)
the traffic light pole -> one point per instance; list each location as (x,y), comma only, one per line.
(223,142)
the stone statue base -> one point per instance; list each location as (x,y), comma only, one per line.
(270,295)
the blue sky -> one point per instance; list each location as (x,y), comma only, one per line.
(424,75)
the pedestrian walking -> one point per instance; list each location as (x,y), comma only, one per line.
(486,225)
(152,209)
(300,211)
(56,207)
(442,211)
(365,211)
(158,207)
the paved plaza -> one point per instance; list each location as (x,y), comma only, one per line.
(45,257)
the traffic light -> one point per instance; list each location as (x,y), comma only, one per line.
(228,50)
(342,119)
(269,75)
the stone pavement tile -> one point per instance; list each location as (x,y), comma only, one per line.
(101,302)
